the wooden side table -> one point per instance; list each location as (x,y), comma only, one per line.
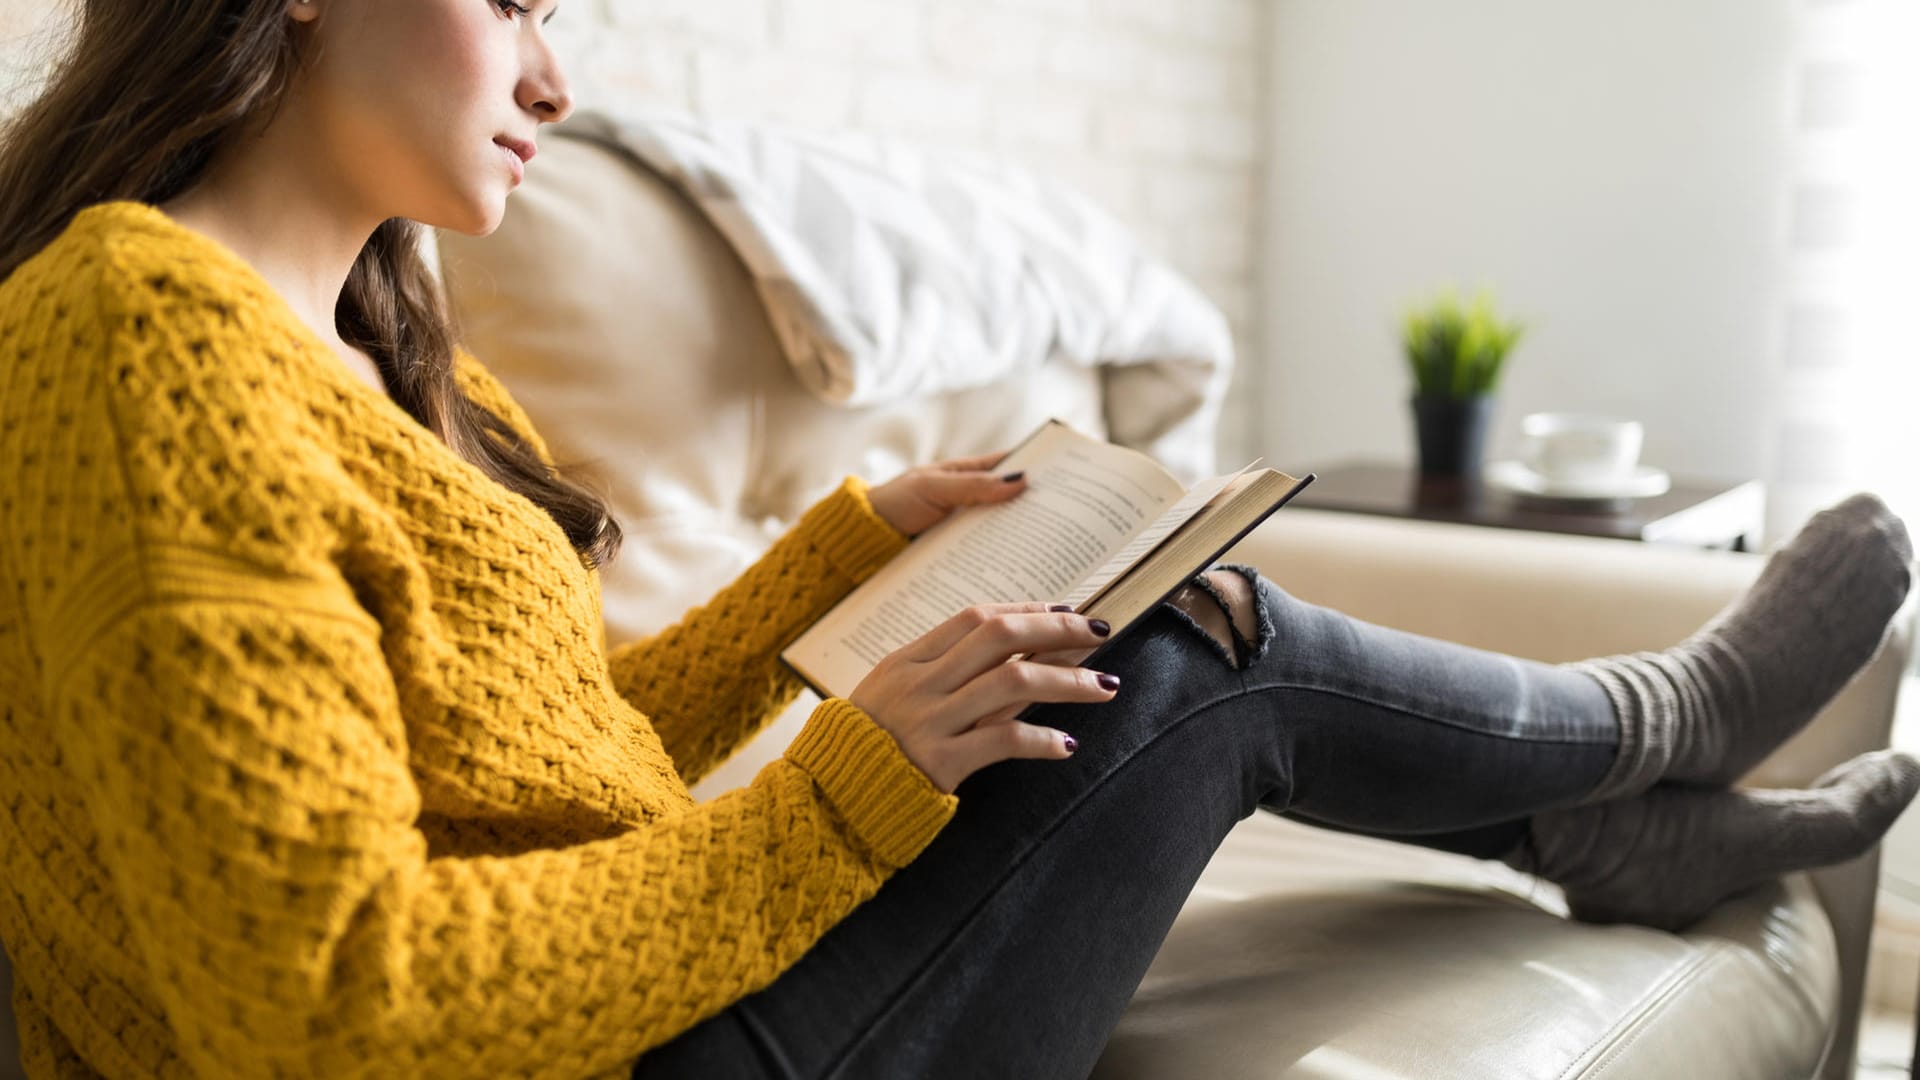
(1696,513)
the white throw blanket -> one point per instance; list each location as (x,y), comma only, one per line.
(890,271)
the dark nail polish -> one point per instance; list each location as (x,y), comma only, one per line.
(1060,607)
(1013,476)
(1109,682)
(1099,626)
(1072,745)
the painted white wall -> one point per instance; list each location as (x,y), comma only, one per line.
(1617,172)
(1154,109)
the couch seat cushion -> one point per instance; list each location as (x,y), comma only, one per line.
(1307,953)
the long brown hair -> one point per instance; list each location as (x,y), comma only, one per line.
(136,109)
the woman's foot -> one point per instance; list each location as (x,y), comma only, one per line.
(1707,710)
(1667,856)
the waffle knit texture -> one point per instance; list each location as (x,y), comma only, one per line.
(313,759)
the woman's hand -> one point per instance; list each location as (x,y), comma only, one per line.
(949,696)
(924,495)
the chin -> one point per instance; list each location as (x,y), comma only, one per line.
(474,215)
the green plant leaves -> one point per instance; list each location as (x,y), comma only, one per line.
(1457,350)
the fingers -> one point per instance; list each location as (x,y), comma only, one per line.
(935,642)
(970,488)
(985,745)
(978,461)
(1061,657)
(1001,716)
(1008,712)
(995,638)
(1019,683)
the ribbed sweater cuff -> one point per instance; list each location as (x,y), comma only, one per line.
(887,800)
(846,529)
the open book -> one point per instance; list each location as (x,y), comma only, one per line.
(1102,527)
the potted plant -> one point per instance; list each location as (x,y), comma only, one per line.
(1456,352)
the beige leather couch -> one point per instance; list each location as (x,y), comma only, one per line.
(632,336)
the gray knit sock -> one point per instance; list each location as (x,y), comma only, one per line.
(1667,856)
(1710,708)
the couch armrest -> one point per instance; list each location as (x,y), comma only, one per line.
(1554,598)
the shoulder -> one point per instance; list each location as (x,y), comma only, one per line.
(127,258)
(127,287)
(152,375)
(57,291)
(163,325)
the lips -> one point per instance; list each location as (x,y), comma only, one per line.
(517,153)
(521,149)
(514,165)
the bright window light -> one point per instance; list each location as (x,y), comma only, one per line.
(1878,276)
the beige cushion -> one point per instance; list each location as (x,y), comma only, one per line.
(1307,954)
(633,337)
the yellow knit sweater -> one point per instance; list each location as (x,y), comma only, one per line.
(312,757)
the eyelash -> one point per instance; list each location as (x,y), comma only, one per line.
(509,6)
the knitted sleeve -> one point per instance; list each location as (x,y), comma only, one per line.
(243,759)
(714,679)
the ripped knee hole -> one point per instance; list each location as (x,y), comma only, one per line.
(1221,603)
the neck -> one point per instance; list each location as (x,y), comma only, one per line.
(282,208)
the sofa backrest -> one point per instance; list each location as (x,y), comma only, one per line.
(631,333)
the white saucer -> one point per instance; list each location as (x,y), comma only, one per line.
(1644,482)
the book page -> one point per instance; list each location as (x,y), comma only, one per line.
(1149,538)
(1084,499)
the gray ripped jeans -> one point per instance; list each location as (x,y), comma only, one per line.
(1011,945)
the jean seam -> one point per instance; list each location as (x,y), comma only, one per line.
(768,1046)
(1266,631)
(1417,714)
(839,1061)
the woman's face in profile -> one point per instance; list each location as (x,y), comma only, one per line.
(410,102)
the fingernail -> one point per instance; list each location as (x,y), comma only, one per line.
(1099,626)
(1061,607)
(1109,681)
(1071,744)
(1012,476)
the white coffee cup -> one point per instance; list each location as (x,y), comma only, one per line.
(1581,448)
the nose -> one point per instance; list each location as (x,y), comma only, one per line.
(544,91)
(554,107)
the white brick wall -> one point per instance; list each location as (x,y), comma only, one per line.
(1153,107)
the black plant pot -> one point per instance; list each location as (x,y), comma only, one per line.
(1452,434)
